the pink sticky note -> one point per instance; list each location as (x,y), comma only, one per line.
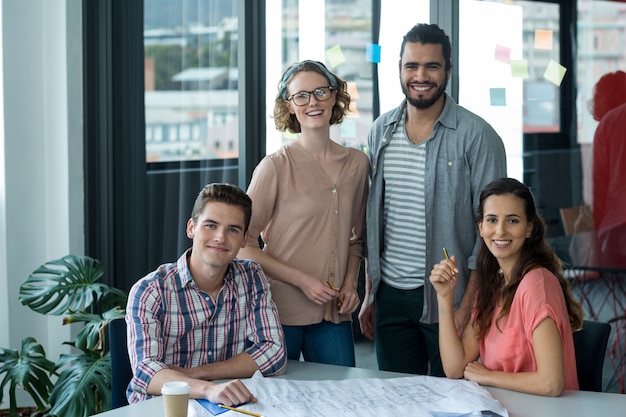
(503,54)
(352,90)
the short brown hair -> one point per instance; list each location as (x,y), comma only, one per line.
(223,193)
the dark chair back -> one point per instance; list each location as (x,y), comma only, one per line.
(590,345)
(121,373)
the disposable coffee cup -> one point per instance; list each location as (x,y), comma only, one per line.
(175,398)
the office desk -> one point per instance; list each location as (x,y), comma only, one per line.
(570,403)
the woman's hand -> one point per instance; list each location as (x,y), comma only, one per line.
(444,277)
(476,371)
(317,291)
(348,300)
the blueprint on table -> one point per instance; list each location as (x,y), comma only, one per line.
(414,396)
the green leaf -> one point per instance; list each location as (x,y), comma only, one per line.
(66,284)
(69,286)
(29,369)
(84,385)
(94,335)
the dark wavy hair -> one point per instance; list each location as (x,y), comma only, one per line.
(429,33)
(287,121)
(535,253)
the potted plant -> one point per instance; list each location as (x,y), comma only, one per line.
(66,287)
(29,369)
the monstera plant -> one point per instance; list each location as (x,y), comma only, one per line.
(79,383)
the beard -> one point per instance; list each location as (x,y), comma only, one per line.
(424,103)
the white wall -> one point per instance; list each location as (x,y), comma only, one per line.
(41,186)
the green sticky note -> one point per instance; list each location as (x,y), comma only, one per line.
(555,73)
(519,68)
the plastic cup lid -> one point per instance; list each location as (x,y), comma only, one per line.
(175,388)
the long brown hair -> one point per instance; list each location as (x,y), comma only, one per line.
(535,253)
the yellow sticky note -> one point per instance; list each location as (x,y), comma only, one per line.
(352,90)
(519,68)
(543,39)
(290,135)
(555,73)
(335,56)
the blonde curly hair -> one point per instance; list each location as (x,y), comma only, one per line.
(286,121)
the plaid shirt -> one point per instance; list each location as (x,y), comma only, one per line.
(171,322)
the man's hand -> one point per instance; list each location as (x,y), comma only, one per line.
(230,393)
(366,318)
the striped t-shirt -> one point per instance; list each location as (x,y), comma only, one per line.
(403,257)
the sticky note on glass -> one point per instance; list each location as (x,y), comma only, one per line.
(543,39)
(497,96)
(290,135)
(555,73)
(348,128)
(519,68)
(503,54)
(335,56)
(352,90)
(372,53)
(353,111)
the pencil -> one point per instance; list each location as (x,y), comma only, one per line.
(239,410)
(445,252)
(332,288)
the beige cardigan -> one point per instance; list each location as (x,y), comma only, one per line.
(308,223)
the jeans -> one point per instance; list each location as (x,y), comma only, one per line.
(324,342)
(403,343)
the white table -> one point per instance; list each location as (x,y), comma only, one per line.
(569,404)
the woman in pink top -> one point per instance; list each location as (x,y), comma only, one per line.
(524,312)
(308,207)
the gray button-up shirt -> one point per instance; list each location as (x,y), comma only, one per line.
(463,155)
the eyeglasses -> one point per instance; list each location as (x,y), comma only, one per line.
(302,98)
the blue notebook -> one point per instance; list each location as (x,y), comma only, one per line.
(211,407)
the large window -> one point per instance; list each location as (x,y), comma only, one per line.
(510,69)
(341,34)
(197,96)
(601,50)
(192,112)
(514,73)
(191,80)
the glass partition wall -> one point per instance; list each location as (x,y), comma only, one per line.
(512,66)
(359,40)
(512,73)
(528,67)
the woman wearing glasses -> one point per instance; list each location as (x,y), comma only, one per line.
(309,210)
